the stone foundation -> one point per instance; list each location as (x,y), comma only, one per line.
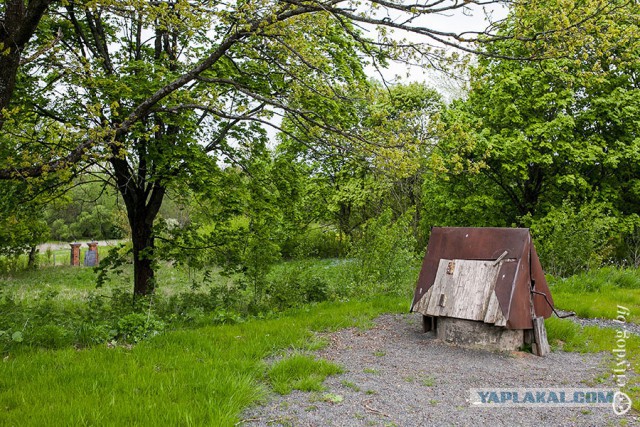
(469,333)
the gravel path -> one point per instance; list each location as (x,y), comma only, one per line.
(604,323)
(397,376)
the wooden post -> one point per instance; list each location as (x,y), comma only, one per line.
(541,346)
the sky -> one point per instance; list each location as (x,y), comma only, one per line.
(476,19)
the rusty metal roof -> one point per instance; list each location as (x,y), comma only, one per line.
(513,284)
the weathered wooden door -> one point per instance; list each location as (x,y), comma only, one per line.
(464,289)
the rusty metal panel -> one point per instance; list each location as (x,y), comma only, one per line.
(520,306)
(540,306)
(514,279)
(504,285)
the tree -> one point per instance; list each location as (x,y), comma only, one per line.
(18,24)
(353,181)
(22,226)
(146,90)
(535,141)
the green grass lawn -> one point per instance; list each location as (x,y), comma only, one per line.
(598,293)
(192,374)
(203,376)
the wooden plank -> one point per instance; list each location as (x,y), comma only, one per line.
(473,289)
(438,288)
(428,304)
(468,293)
(491,314)
(449,289)
(541,347)
(421,305)
(501,320)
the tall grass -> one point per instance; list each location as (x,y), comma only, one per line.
(203,376)
(58,307)
(300,372)
(598,293)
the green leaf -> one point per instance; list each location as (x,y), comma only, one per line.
(17,336)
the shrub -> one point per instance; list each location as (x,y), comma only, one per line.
(135,327)
(570,239)
(316,243)
(294,283)
(385,254)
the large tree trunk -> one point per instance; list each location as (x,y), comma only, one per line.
(143,201)
(143,247)
(142,212)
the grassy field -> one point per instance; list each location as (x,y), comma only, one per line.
(78,282)
(200,354)
(204,376)
(598,293)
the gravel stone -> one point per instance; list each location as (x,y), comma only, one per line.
(604,323)
(395,375)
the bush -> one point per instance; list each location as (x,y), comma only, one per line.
(385,255)
(315,243)
(296,284)
(570,239)
(135,327)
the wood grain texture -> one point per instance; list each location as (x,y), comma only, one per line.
(464,292)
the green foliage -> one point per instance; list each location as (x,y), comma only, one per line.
(571,239)
(21,226)
(385,255)
(135,327)
(64,302)
(300,372)
(345,181)
(113,263)
(316,243)
(456,201)
(548,144)
(88,210)
(295,283)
